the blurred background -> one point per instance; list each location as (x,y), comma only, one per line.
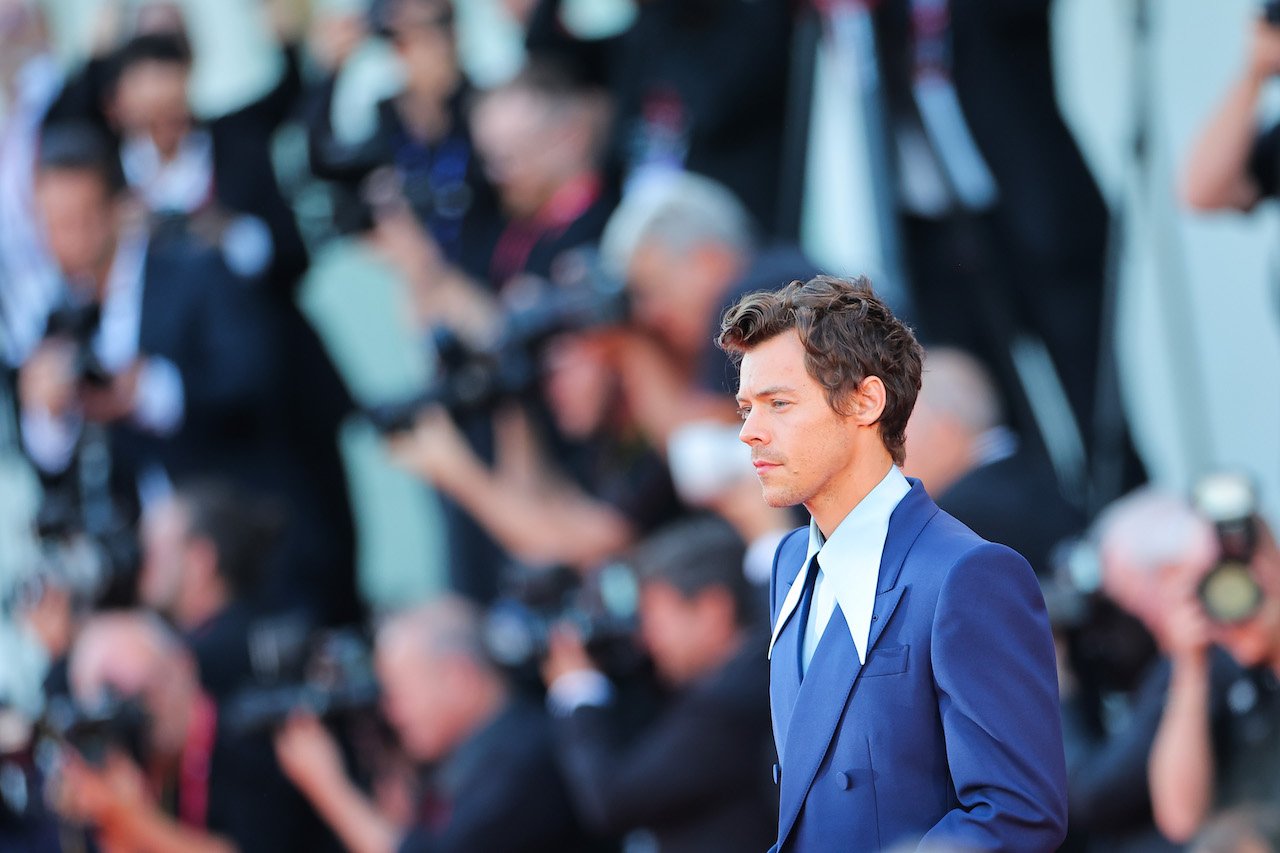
(328,323)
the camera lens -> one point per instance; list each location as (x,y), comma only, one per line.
(1229,593)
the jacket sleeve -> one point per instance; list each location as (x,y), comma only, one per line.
(997,693)
(696,754)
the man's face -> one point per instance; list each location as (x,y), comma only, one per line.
(151,102)
(80,220)
(423,38)
(674,294)
(670,627)
(800,446)
(164,540)
(415,698)
(131,665)
(526,154)
(578,383)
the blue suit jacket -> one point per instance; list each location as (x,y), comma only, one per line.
(950,732)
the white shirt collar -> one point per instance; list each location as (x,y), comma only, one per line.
(181,185)
(851,559)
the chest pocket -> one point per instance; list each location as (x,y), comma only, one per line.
(886,660)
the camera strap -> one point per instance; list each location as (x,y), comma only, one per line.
(196,762)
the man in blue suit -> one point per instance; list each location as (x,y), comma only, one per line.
(913,682)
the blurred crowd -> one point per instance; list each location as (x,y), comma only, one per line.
(565,241)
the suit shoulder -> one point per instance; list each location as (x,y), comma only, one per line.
(957,555)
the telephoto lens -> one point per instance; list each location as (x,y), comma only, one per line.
(1229,593)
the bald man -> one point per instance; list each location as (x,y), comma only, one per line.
(976,468)
(494,787)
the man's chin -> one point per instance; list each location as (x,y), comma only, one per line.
(777,498)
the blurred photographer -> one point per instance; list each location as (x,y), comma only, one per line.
(1234,164)
(603,490)
(1149,544)
(960,446)
(687,249)
(215,173)
(204,553)
(696,778)
(493,783)
(1228,595)
(184,791)
(422,133)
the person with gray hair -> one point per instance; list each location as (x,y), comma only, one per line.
(687,249)
(1125,772)
(494,785)
(977,469)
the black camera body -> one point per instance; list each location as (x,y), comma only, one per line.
(471,378)
(338,678)
(114,724)
(602,608)
(88,547)
(1229,593)
(78,323)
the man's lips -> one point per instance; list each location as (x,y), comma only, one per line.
(764,464)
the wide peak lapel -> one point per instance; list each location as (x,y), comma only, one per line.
(909,517)
(784,682)
(819,704)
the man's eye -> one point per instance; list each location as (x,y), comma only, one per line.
(780,404)
(743,411)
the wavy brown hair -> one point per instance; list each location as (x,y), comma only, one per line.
(848,334)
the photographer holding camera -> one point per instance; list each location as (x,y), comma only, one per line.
(688,249)
(1234,164)
(1228,595)
(186,790)
(204,550)
(697,777)
(494,785)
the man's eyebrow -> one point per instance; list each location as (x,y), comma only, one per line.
(771,391)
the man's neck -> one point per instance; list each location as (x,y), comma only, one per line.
(833,505)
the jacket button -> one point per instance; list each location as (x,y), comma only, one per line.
(844,780)
(777,775)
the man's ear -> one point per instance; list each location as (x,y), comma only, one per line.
(866,402)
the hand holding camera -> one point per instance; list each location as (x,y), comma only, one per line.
(308,754)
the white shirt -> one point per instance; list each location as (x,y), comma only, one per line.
(161,398)
(850,567)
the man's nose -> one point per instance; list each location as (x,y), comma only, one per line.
(752,432)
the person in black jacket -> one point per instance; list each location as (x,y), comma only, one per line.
(976,468)
(421,134)
(187,371)
(700,85)
(194,786)
(493,785)
(697,777)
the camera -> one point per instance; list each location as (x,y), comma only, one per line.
(78,323)
(115,723)
(473,377)
(602,608)
(87,545)
(1229,593)
(337,678)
